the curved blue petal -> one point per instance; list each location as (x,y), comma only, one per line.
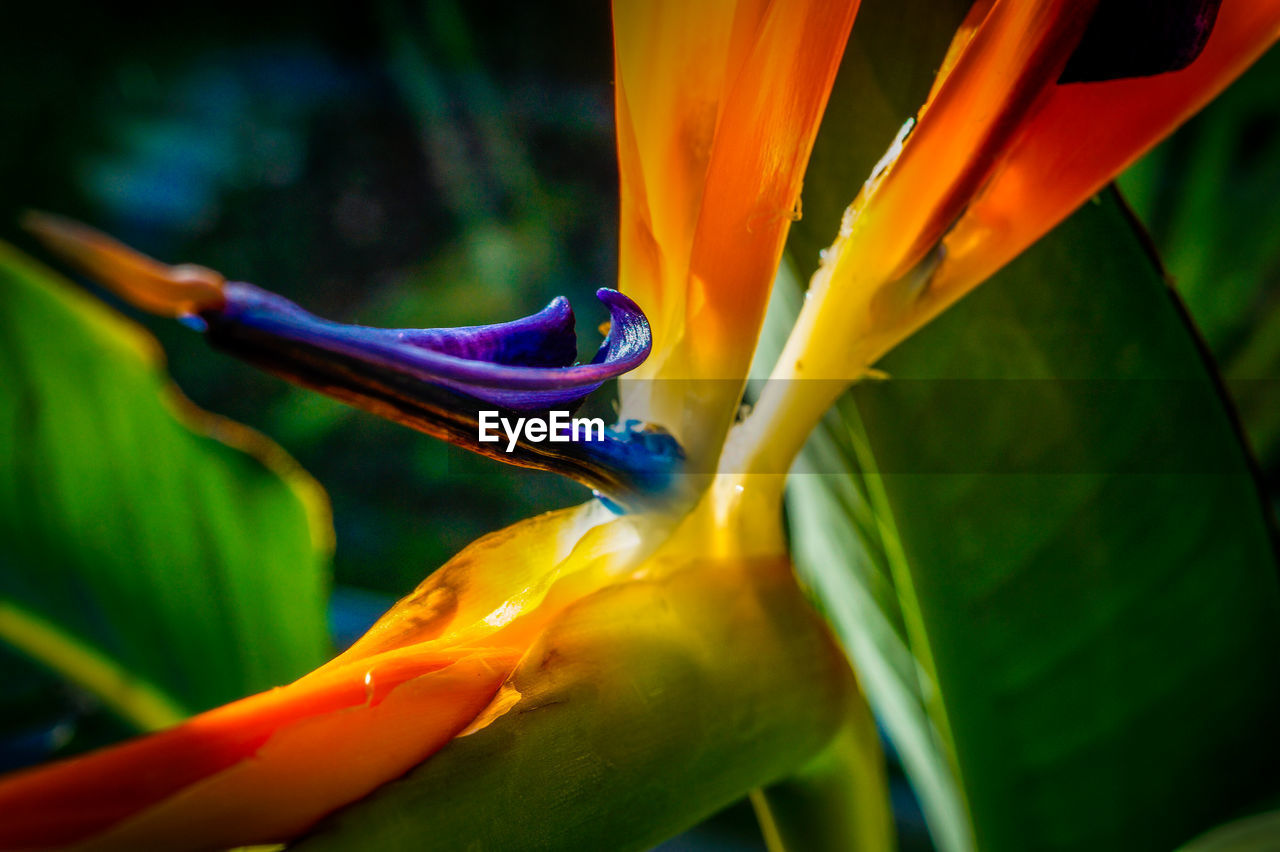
(441,381)
(525,364)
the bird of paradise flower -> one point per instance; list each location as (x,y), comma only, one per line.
(666,609)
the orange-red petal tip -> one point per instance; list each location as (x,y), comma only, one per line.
(172,291)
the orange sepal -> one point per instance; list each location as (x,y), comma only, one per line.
(171,291)
(766,132)
(718,106)
(260,770)
(1084,135)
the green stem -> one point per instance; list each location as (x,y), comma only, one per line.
(839,802)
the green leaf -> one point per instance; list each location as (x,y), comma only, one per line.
(1053,491)
(158,557)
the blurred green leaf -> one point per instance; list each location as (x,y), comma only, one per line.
(160,558)
(1052,490)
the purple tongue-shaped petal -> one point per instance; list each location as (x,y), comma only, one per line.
(544,339)
(525,364)
(439,381)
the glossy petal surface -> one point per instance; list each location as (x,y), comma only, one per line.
(526,364)
(717,108)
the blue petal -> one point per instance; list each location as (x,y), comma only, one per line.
(439,380)
(526,364)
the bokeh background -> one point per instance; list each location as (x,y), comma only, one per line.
(446,163)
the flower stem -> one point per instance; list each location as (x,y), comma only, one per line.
(839,802)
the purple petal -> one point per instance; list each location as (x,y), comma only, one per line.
(1141,38)
(525,364)
(438,381)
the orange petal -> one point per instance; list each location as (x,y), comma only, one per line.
(999,72)
(261,769)
(673,62)
(765,135)
(1000,153)
(172,291)
(717,108)
(1087,133)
